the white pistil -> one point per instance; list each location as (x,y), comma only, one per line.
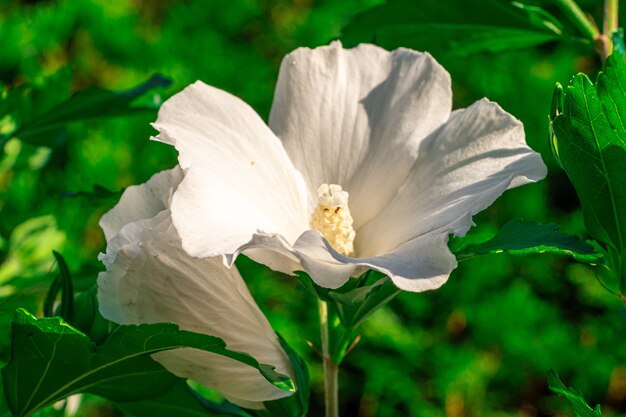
(332,218)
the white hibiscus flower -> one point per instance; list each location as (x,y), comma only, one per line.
(150,279)
(363,166)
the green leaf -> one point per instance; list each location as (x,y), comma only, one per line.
(519,237)
(87,317)
(350,305)
(29,248)
(357,299)
(26,101)
(457,27)
(63,283)
(590,133)
(539,17)
(180,401)
(618,42)
(555,109)
(313,288)
(51,360)
(296,405)
(575,398)
(356,305)
(98,196)
(87,104)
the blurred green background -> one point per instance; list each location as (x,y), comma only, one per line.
(479,346)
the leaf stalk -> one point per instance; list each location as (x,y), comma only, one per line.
(579,19)
(604,45)
(611,8)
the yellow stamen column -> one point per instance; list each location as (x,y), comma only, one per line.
(333,220)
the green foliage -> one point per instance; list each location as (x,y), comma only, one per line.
(478,346)
(357,304)
(87,317)
(179,401)
(30,246)
(63,361)
(590,146)
(350,305)
(63,283)
(589,139)
(98,196)
(519,237)
(459,27)
(296,405)
(575,398)
(38,128)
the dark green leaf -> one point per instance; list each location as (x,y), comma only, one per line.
(457,27)
(618,42)
(51,296)
(51,360)
(180,401)
(88,104)
(98,196)
(575,398)
(519,237)
(67,290)
(357,299)
(591,146)
(312,287)
(358,304)
(296,405)
(539,17)
(26,101)
(87,317)
(556,109)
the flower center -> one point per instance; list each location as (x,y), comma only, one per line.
(332,218)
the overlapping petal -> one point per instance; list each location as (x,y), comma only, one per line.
(421,264)
(462,169)
(150,279)
(356,117)
(238,177)
(141,202)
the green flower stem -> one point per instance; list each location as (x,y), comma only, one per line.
(610,17)
(579,19)
(604,44)
(331,369)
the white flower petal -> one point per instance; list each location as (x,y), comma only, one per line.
(270,250)
(461,169)
(355,117)
(238,178)
(419,265)
(150,279)
(141,201)
(324,265)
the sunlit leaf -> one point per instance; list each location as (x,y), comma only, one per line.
(519,237)
(457,27)
(296,405)
(51,360)
(590,131)
(30,246)
(575,398)
(92,103)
